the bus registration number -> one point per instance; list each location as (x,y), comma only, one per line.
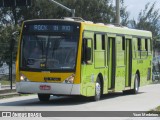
(44,87)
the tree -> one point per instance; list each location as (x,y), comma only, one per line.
(98,11)
(5,40)
(91,10)
(124,14)
(148,19)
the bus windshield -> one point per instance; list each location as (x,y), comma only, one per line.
(49,52)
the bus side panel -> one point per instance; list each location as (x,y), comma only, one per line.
(120,79)
(88,72)
(142,63)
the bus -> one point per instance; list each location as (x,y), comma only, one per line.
(77,57)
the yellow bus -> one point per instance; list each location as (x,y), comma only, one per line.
(76,57)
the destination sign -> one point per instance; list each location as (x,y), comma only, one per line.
(51,28)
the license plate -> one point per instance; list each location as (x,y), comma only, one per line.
(44,87)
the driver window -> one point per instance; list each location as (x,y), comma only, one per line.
(87,45)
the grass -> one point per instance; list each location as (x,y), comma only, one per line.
(157,108)
(9,96)
(15,95)
(155,111)
(4,80)
(156,82)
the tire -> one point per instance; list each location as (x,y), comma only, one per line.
(97,90)
(43,97)
(136,84)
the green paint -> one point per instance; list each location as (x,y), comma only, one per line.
(102,59)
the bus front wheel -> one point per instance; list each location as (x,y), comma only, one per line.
(97,90)
(43,97)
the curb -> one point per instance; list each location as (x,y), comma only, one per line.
(8,93)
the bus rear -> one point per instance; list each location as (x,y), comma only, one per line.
(48,58)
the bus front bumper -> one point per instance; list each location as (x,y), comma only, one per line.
(48,88)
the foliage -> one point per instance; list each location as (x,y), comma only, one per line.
(5,40)
(91,10)
(148,19)
(124,14)
(4,80)
(11,18)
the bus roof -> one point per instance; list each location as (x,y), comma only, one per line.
(100,27)
(120,30)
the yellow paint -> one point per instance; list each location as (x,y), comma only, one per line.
(39,76)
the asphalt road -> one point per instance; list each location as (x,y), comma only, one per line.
(147,99)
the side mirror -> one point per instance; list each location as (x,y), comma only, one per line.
(88,54)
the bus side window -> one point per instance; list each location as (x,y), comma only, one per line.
(146,44)
(123,43)
(103,42)
(98,42)
(139,44)
(134,48)
(139,47)
(120,56)
(95,42)
(87,51)
(144,48)
(99,52)
(149,46)
(143,44)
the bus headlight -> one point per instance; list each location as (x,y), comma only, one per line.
(23,78)
(70,79)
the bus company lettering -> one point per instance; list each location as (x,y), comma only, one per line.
(52,79)
(139,61)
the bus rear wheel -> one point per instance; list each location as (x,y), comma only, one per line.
(136,84)
(43,97)
(97,90)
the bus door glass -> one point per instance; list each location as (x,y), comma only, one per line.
(111,62)
(128,61)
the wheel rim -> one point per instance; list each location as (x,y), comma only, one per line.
(136,84)
(98,89)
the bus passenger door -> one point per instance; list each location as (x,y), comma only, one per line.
(128,62)
(111,62)
(120,63)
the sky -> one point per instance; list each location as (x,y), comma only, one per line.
(135,6)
